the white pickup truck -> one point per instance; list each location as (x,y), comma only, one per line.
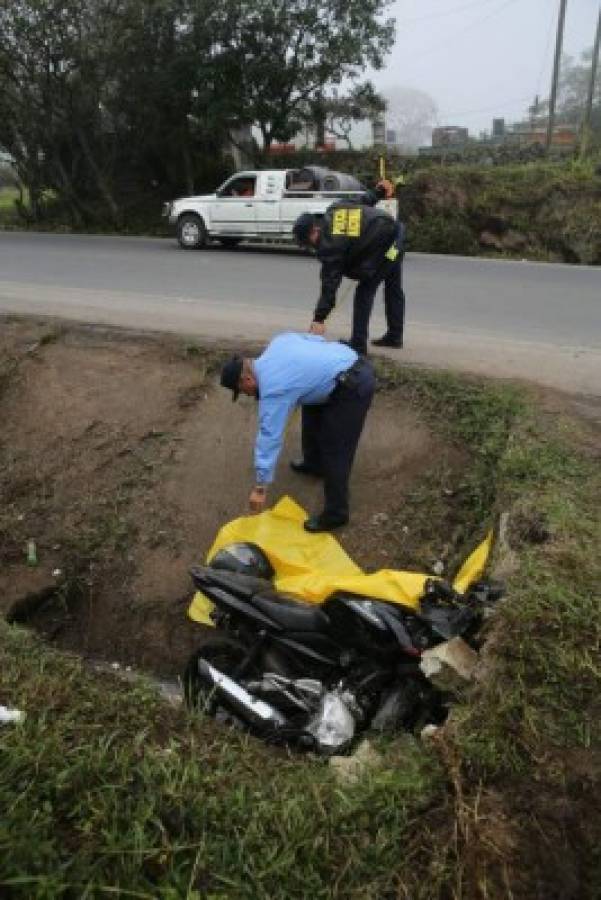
(255,205)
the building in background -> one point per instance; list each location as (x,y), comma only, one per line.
(518,135)
(449,136)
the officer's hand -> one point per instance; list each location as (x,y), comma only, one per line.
(387,187)
(317,328)
(257,498)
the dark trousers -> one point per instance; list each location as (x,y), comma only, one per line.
(331,432)
(391,273)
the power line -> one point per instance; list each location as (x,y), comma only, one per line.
(446,12)
(545,54)
(500,105)
(453,37)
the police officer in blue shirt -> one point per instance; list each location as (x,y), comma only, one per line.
(334,387)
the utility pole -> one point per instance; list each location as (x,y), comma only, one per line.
(588,109)
(556,64)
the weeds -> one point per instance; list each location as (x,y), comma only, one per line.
(478,418)
(538,210)
(151,803)
(532,726)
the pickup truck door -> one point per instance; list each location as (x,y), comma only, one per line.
(268,202)
(233,210)
(294,203)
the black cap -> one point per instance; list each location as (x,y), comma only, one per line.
(231,374)
(302,228)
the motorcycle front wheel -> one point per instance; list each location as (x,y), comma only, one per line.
(225,654)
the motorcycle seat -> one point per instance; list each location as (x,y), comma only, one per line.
(290,613)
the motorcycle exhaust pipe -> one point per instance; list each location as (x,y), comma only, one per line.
(255,711)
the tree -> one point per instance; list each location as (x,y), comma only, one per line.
(573,88)
(411,114)
(106,102)
(99,101)
(341,113)
(290,53)
(572,93)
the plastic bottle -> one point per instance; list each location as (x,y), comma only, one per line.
(32,556)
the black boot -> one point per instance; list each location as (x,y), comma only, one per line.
(324,522)
(300,466)
(388,341)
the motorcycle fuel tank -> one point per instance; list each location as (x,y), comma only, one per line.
(356,622)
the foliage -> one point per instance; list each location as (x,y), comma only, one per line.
(339,113)
(545,210)
(117,104)
(8,176)
(477,417)
(291,51)
(573,91)
(412,114)
(94,102)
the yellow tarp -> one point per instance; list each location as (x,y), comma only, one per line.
(313,566)
(473,567)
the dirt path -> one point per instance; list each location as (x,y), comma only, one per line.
(567,367)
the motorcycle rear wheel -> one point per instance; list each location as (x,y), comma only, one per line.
(224,653)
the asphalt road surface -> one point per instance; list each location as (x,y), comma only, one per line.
(537,321)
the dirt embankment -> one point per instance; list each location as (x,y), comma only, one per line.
(121,459)
(538,211)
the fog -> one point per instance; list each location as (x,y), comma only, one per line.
(480,59)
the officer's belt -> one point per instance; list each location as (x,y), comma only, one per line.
(345,376)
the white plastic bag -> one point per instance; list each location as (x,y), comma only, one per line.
(333,726)
(10,715)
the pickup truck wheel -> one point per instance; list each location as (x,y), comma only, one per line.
(191,232)
(229,242)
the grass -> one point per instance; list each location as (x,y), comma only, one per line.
(556,590)
(553,206)
(8,210)
(8,196)
(108,792)
(477,418)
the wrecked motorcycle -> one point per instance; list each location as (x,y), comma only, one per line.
(315,675)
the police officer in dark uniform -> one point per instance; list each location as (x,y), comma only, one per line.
(359,241)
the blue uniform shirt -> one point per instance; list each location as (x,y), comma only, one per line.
(295,369)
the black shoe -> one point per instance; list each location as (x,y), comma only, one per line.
(387,341)
(324,522)
(300,466)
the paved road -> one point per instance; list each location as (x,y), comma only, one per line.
(509,319)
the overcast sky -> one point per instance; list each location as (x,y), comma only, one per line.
(479,59)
